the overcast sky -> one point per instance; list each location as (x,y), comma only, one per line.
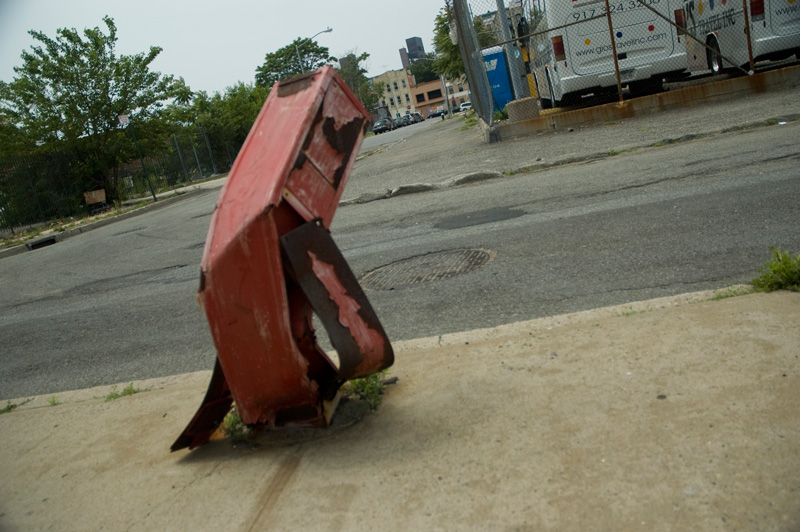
(215,44)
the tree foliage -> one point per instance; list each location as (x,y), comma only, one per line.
(303,55)
(231,114)
(70,90)
(354,75)
(448,61)
(422,69)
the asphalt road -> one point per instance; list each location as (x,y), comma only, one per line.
(376,141)
(118,304)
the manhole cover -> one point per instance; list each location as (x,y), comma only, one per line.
(427,268)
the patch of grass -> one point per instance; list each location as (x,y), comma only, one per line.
(234,428)
(632,312)
(11,406)
(501,114)
(469,122)
(731,292)
(782,272)
(128,390)
(53,400)
(368,389)
(612,153)
(20,237)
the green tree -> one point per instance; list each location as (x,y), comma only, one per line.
(354,75)
(230,115)
(448,61)
(303,55)
(70,90)
(422,69)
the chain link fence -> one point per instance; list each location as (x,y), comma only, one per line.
(536,55)
(42,187)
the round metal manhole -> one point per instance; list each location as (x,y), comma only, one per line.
(427,268)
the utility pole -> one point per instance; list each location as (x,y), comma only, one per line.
(297,49)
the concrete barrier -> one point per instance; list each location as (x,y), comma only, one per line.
(686,97)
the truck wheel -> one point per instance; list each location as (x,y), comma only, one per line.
(715,63)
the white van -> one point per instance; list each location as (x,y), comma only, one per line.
(774,32)
(576,57)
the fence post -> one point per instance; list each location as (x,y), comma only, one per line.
(196,158)
(228,151)
(144,169)
(749,41)
(210,153)
(614,51)
(33,190)
(470,55)
(180,158)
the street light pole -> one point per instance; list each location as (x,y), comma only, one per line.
(297,49)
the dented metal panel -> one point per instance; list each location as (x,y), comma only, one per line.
(334,293)
(269,261)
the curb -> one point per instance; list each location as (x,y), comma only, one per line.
(201,377)
(717,91)
(478,177)
(60,237)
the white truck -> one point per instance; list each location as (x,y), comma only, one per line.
(720,24)
(575,57)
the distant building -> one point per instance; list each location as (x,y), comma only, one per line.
(397,96)
(404,59)
(415,48)
(429,98)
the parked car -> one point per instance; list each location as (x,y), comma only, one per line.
(383,125)
(438,112)
(417,117)
(407,120)
(466,106)
(398,122)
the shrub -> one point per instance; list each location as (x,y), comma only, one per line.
(782,272)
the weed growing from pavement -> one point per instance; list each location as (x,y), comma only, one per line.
(501,114)
(734,291)
(11,406)
(782,272)
(632,312)
(128,390)
(53,400)
(368,389)
(469,122)
(21,237)
(234,428)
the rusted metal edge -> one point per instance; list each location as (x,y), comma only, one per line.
(317,265)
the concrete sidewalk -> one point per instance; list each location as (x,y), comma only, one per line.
(449,152)
(673,414)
